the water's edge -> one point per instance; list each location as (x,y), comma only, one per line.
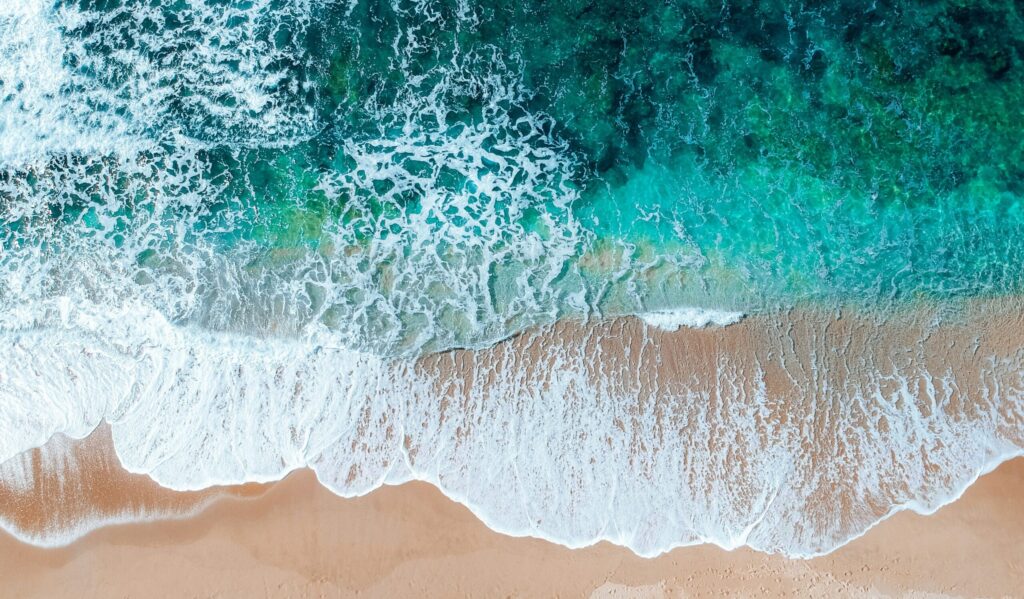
(575,433)
(88,525)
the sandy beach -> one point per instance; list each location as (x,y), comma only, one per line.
(110,532)
(295,539)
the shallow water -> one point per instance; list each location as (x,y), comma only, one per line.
(331,190)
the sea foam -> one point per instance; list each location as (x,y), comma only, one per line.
(672,320)
(577,433)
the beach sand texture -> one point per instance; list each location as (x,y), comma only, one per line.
(295,539)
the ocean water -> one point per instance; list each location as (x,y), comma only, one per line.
(238,229)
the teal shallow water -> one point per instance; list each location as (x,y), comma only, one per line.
(419,175)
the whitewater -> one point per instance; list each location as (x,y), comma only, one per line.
(426,303)
(539,435)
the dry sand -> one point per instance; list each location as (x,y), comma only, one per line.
(295,539)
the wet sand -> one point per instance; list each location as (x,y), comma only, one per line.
(847,398)
(67,487)
(788,432)
(295,539)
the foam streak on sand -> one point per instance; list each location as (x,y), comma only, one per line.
(574,433)
(672,320)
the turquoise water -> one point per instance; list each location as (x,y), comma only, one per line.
(421,175)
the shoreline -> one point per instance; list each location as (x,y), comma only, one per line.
(153,503)
(723,421)
(301,536)
(295,537)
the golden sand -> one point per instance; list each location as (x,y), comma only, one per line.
(295,539)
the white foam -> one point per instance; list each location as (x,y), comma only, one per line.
(543,449)
(127,83)
(460,237)
(695,318)
(36,115)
